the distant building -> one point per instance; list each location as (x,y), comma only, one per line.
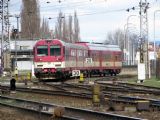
(22,53)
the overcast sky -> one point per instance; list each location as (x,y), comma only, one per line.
(96,17)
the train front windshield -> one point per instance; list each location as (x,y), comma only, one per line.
(55,50)
(42,50)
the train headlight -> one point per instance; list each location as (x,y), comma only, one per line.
(45,70)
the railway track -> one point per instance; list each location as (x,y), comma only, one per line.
(51,92)
(74,91)
(129,88)
(139,86)
(85,97)
(70,87)
(70,112)
(32,108)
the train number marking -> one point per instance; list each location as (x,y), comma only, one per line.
(88,60)
(75,73)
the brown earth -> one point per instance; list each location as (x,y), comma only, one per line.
(7,113)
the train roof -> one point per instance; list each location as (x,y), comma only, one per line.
(73,45)
(94,46)
(70,45)
(90,46)
(103,47)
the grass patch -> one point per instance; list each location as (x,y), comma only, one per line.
(153,82)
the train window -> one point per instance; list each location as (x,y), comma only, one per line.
(42,50)
(67,51)
(80,53)
(55,50)
(84,53)
(117,57)
(73,53)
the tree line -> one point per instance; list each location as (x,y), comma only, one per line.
(32,27)
(66,28)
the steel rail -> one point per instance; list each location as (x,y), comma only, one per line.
(52,92)
(40,114)
(71,111)
(129,88)
(137,85)
(153,102)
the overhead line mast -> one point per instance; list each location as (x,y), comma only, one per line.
(5,38)
(143,64)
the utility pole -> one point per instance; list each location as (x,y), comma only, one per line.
(143,64)
(155,51)
(4,19)
(16,38)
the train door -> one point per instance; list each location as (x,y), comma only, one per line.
(66,56)
(73,57)
(79,58)
(114,59)
(100,58)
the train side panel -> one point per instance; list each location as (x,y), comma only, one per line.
(56,59)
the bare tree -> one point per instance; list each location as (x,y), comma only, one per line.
(117,37)
(45,32)
(58,28)
(56,32)
(70,29)
(120,38)
(65,32)
(127,41)
(76,31)
(30,19)
(64,29)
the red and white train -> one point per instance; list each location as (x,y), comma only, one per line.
(57,59)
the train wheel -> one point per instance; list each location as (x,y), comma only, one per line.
(104,74)
(90,74)
(87,74)
(111,74)
(59,75)
(115,74)
(67,76)
(100,74)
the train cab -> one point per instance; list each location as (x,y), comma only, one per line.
(48,56)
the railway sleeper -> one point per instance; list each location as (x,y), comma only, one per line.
(122,105)
(154,108)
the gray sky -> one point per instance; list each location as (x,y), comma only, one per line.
(96,17)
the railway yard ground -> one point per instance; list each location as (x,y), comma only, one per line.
(97,98)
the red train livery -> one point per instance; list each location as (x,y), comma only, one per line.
(57,59)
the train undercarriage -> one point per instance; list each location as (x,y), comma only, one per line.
(67,74)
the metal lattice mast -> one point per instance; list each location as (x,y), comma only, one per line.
(144,35)
(5,39)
